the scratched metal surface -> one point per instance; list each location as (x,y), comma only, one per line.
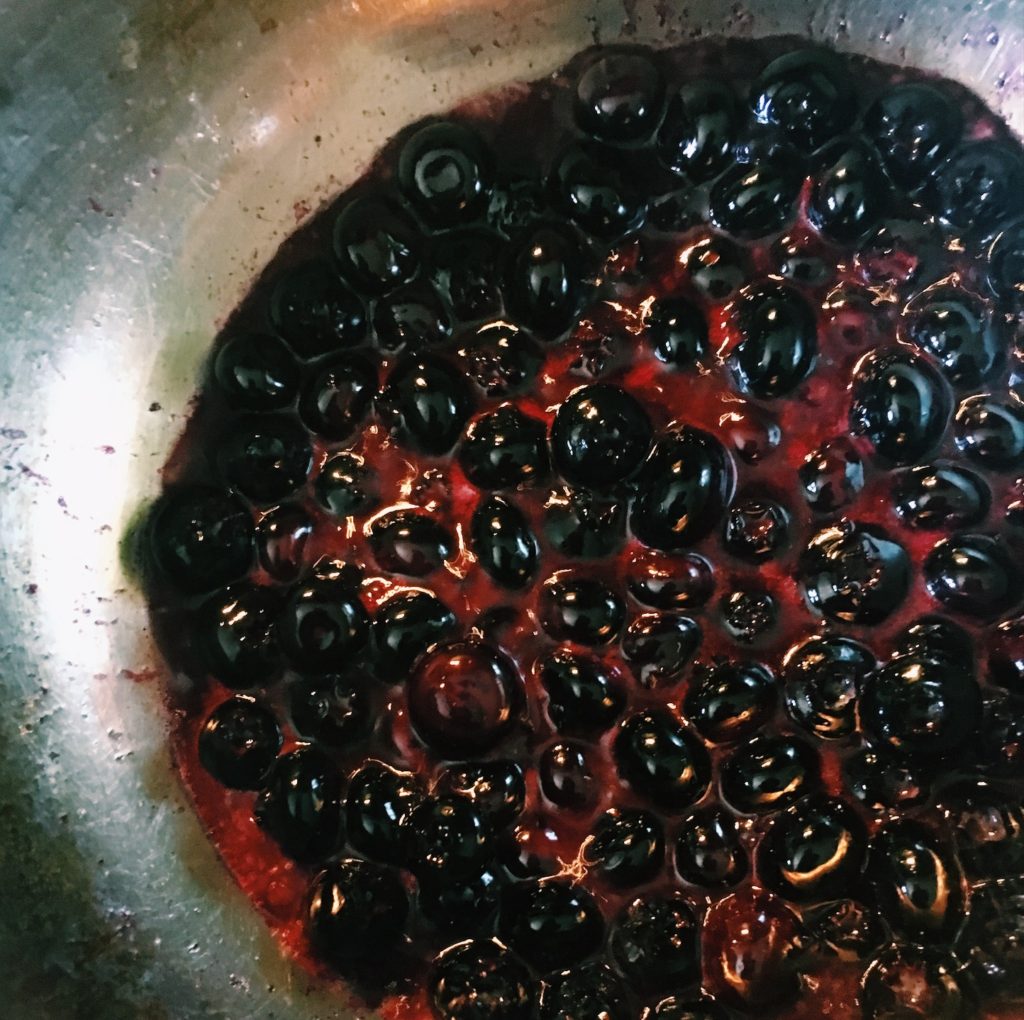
(152,156)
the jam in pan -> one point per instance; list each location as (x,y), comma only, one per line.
(597,554)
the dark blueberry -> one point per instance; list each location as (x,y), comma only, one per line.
(517,203)
(670,582)
(595,196)
(708,850)
(550,922)
(913,983)
(300,805)
(882,782)
(901,403)
(463,697)
(1006,263)
(755,529)
(932,637)
(322,625)
(849,193)
(410,542)
(953,327)
(503,542)
(980,184)
(580,609)
(822,677)
(677,332)
(447,837)
(769,773)
(589,992)
(337,398)
(898,250)
(849,929)
(463,267)
(256,373)
(497,788)
(661,760)
(282,539)
(426,402)
(619,95)
(748,615)
(335,709)
(813,851)
(779,341)
(751,432)
(411,318)
(530,850)
(991,432)
(504,448)
(987,823)
(679,1008)
(831,476)
(238,636)
(675,211)
(992,941)
(808,94)
(377,245)
(912,126)
(566,777)
(717,268)
(659,647)
(347,486)
(481,980)
(583,697)
(855,573)
(683,490)
(545,279)
(752,200)
(378,808)
(459,904)
(917,882)
(655,943)
(695,138)
(973,575)
(800,263)
(940,495)
(238,743)
(1006,655)
(407,625)
(730,700)
(501,358)
(1001,737)
(444,171)
(581,524)
(357,910)
(265,459)
(600,436)
(315,312)
(627,847)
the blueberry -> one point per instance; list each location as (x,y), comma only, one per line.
(201,538)
(655,943)
(600,436)
(550,922)
(459,904)
(410,542)
(988,828)
(481,980)
(912,982)
(901,403)
(675,212)
(463,697)
(463,268)
(580,609)
(447,838)
(583,697)
(379,805)
(265,459)
(323,624)
(661,760)
(335,709)
(282,539)
(881,781)
(503,542)
(779,343)
(627,847)
(748,615)
(813,851)
(590,990)
(953,327)
(677,332)
(831,476)
(347,486)
(497,788)
(717,268)
(940,495)
(799,263)
(408,624)
(769,773)
(992,942)
(517,203)
(980,184)
(938,639)
(256,373)
(238,636)
(1006,655)
(917,882)
(752,200)
(695,138)
(755,529)
(899,250)
(912,126)
(444,170)
(991,432)
(357,910)
(849,929)
(411,318)
(669,582)
(682,491)
(566,776)
(1006,263)
(501,358)
(679,1008)
(850,192)
(822,677)
(730,701)
(300,805)
(315,313)
(504,448)
(238,743)
(619,95)
(659,646)
(708,850)
(338,397)
(580,524)
(854,573)
(595,196)
(973,575)
(376,244)
(1001,738)
(426,402)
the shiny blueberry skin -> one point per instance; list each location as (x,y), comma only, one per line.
(580,609)
(323,623)
(940,495)
(503,449)
(239,743)
(973,575)
(335,710)
(677,331)
(589,990)
(751,200)
(408,624)
(717,268)
(238,638)
(481,980)
(594,195)
(981,183)
(939,639)
(619,95)
(708,850)
(503,543)
(266,459)
(696,136)
(991,432)
(463,267)
(256,373)
(659,646)
(628,846)
(497,788)
(655,942)
(448,838)
(953,327)
(755,529)
(376,244)
(566,776)
(850,192)
(583,524)
(831,476)
(315,312)
(501,358)
(583,697)
(378,807)
(411,543)
(411,318)
(731,700)
(822,678)
(347,486)
(881,780)
(769,773)
(914,982)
